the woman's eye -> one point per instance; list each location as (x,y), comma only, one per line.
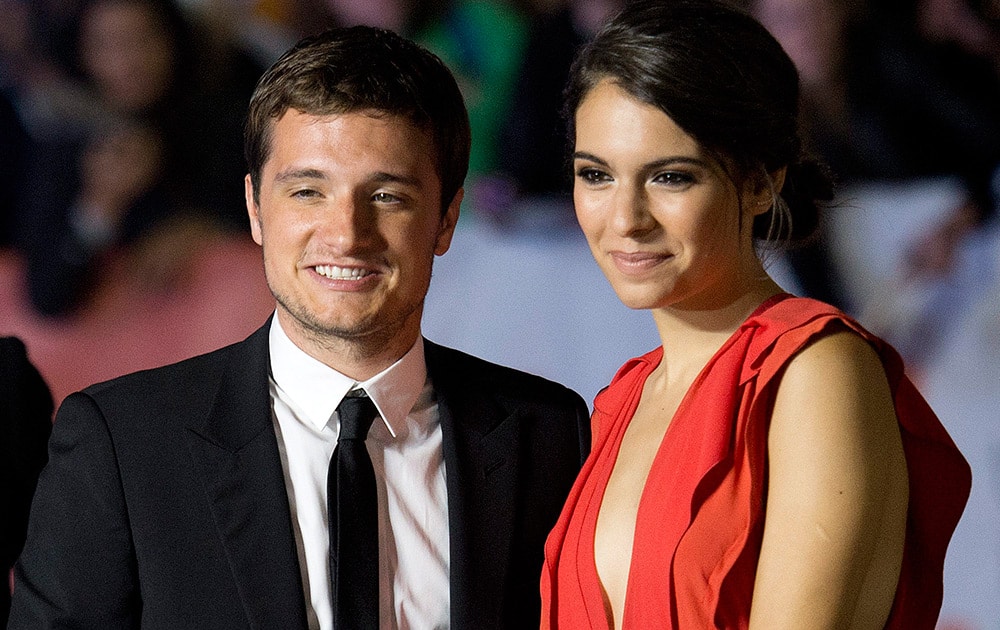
(674,178)
(592,175)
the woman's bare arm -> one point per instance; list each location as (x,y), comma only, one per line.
(837,493)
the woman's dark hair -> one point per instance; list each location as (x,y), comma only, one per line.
(720,76)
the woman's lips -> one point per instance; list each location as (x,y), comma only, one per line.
(637,263)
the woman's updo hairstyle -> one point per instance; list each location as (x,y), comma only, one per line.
(720,76)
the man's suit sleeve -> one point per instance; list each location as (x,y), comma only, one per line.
(25,424)
(78,568)
(583,428)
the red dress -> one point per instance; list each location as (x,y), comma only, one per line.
(700,520)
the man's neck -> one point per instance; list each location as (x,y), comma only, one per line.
(359,358)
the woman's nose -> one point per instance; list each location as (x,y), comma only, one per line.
(630,212)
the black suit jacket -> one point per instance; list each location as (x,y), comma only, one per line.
(25,423)
(163,504)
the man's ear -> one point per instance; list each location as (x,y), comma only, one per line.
(448,223)
(253,210)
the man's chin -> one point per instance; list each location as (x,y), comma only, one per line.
(371,330)
(333,329)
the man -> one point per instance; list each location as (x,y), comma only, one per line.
(195,495)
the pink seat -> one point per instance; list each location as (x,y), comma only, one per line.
(126,326)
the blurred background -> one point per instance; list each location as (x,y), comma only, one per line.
(123,240)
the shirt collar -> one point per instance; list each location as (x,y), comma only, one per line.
(317,389)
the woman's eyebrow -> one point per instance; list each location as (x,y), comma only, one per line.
(658,163)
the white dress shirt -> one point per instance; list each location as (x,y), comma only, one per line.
(409,470)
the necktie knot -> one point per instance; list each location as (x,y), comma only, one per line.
(356,416)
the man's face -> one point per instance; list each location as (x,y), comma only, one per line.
(349,218)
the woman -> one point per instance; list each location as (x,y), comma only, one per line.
(154,167)
(770,466)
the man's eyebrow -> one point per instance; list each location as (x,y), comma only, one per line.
(299,173)
(380,177)
(383,177)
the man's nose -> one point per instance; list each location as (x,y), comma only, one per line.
(348,223)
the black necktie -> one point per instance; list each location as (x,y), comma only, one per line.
(353,511)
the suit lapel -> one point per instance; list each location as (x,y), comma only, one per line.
(236,453)
(480,444)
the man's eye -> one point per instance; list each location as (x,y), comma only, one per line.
(305,193)
(384,197)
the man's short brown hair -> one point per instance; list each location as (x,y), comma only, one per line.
(367,69)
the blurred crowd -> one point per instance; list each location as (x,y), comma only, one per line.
(898,90)
(120,120)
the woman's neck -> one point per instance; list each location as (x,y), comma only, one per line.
(692,335)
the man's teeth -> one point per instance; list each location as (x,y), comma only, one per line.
(341,273)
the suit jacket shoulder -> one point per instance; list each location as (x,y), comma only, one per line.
(193,383)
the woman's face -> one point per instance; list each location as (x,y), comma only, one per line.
(662,218)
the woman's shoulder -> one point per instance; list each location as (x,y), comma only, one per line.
(792,328)
(787,312)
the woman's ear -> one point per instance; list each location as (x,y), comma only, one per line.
(778,179)
(765,190)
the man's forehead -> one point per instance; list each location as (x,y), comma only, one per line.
(336,111)
(300,140)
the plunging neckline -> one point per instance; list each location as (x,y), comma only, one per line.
(659,459)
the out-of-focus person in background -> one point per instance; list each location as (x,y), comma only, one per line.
(151,165)
(531,172)
(13,141)
(941,63)
(483,42)
(897,90)
(33,89)
(25,424)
